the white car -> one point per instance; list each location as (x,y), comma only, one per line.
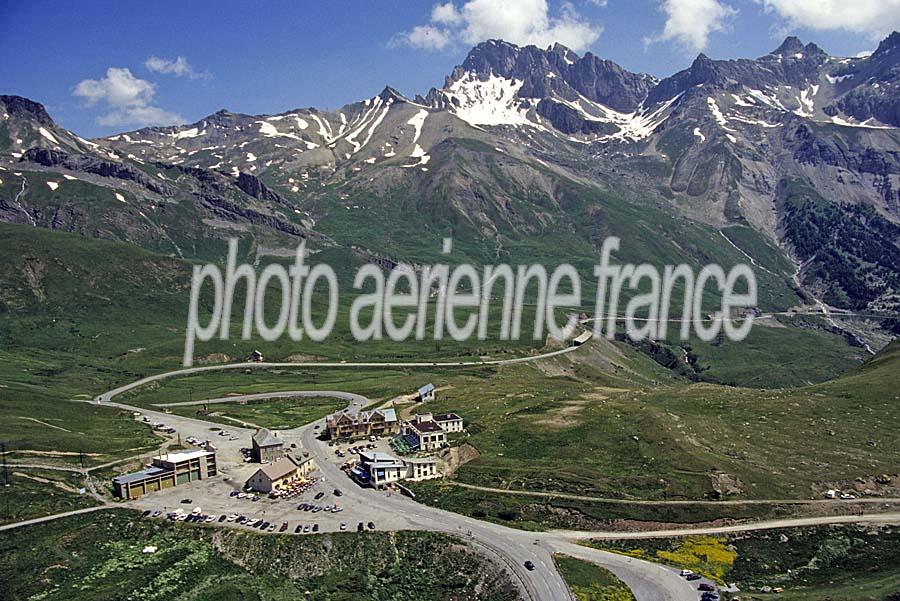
(686,572)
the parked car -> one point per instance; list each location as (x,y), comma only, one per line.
(686,572)
(315,528)
(529,566)
(284,526)
(371,525)
(705,586)
(319,495)
(360,527)
(187,501)
(338,493)
(223,517)
(306,529)
(694,576)
(298,529)
(146,513)
(343,526)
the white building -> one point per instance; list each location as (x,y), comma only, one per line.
(449,422)
(421,468)
(378,469)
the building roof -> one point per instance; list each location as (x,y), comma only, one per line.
(138,476)
(264,438)
(420,460)
(389,415)
(376,456)
(183,456)
(386,464)
(278,468)
(426,389)
(426,426)
(446,417)
(300,460)
(584,337)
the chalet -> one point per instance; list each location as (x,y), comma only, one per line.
(280,474)
(426,393)
(266,446)
(378,422)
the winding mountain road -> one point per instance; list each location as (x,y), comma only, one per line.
(649,581)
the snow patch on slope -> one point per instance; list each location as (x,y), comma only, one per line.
(489,102)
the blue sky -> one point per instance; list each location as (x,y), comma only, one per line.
(266,57)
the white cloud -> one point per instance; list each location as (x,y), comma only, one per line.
(690,22)
(141,116)
(516,21)
(127,99)
(118,88)
(427,37)
(872,17)
(446,14)
(179,67)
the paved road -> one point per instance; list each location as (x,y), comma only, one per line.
(675,502)
(649,581)
(55,516)
(866,518)
(106,396)
(355,400)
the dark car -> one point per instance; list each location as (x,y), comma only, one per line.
(146,513)
(705,586)
(371,525)
(264,525)
(223,517)
(338,493)
(187,501)
(298,529)
(693,577)
(319,495)
(234,493)
(529,566)
(360,527)
(315,527)
(709,597)
(284,526)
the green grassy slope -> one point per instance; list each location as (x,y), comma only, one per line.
(849,563)
(98,557)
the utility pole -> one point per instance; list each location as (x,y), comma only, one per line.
(81,457)
(5,466)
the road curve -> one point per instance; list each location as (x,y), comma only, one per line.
(106,396)
(649,581)
(357,399)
